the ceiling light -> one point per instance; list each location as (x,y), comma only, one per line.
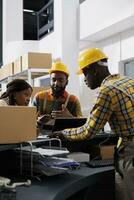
(26,10)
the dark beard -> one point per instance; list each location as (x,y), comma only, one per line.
(59,92)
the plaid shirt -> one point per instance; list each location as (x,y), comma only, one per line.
(52,103)
(114,104)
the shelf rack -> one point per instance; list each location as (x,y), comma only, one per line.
(30,144)
(28,75)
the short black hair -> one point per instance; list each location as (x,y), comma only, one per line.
(17,85)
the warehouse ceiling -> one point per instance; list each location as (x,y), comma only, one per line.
(30,9)
(34,5)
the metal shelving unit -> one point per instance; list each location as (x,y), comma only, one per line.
(31,145)
(28,75)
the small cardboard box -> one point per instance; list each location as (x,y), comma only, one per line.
(36,60)
(18,65)
(107,151)
(1,73)
(6,71)
(9,69)
(17,124)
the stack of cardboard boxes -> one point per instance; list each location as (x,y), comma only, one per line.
(6,71)
(36,60)
(29,60)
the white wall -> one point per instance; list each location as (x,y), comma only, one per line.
(70,50)
(12,28)
(105,17)
(119,47)
(14,19)
(13,44)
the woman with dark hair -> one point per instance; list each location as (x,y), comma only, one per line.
(18,92)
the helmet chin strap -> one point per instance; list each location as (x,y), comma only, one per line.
(102,63)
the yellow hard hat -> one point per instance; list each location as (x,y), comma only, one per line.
(60,67)
(89,56)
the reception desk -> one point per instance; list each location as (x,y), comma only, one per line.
(82,184)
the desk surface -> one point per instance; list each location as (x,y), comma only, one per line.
(61,187)
(109,138)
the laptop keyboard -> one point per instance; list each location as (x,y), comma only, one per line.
(100,163)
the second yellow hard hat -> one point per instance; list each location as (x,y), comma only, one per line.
(89,56)
(60,67)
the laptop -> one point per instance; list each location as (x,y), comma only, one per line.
(63,123)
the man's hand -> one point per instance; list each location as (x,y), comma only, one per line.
(44,118)
(58,135)
(64,113)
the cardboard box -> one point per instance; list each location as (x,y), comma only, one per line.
(7,70)
(107,151)
(17,124)
(36,60)
(18,65)
(1,73)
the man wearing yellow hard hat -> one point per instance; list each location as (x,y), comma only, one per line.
(114,104)
(56,101)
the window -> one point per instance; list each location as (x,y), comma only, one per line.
(129,68)
(43,81)
(126,67)
(38,16)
